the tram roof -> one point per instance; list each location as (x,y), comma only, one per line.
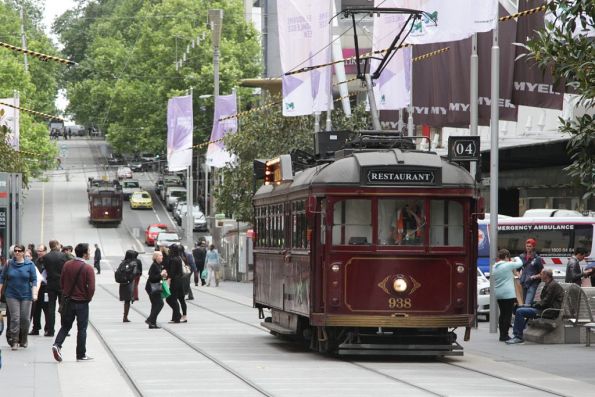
(347,171)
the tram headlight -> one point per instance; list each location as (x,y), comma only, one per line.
(460,268)
(400,285)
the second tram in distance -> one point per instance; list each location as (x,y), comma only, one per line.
(105,201)
(372,253)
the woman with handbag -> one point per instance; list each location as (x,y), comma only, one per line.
(154,289)
(129,290)
(18,283)
(212,259)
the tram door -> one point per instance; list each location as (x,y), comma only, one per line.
(317,244)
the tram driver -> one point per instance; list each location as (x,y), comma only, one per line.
(406,225)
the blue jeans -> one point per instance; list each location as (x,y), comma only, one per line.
(80,311)
(520,320)
(529,294)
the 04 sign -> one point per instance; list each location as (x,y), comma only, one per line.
(463,148)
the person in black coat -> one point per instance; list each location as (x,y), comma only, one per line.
(127,290)
(173,265)
(53,263)
(97,259)
(199,254)
(156,273)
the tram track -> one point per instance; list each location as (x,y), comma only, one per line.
(362,366)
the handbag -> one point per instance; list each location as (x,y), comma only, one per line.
(165,292)
(65,302)
(186,269)
(156,287)
(204,274)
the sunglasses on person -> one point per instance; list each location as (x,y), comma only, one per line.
(17,250)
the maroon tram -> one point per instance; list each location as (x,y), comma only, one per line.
(372,253)
(105,202)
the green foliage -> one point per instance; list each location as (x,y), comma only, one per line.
(265,135)
(572,58)
(37,89)
(127,51)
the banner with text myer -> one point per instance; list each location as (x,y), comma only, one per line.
(392,90)
(304,36)
(179,133)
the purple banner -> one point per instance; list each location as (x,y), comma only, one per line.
(179,133)
(225,106)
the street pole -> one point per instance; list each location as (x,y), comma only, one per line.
(410,131)
(189,197)
(494,125)
(24,39)
(473,96)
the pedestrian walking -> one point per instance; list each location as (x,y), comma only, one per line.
(78,283)
(189,261)
(53,263)
(175,273)
(20,277)
(574,273)
(199,254)
(129,289)
(97,259)
(41,305)
(156,274)
(503,273)
(213,262)
(532,267)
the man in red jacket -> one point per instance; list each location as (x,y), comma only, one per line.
(78,283)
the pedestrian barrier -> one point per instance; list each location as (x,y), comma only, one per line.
(568,326)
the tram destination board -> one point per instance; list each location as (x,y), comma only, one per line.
(401,176)
(463,148)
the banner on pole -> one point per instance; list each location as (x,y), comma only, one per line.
(304,33)
(11,118)
(179,133)
(393,87)
(450,20)
(225,106)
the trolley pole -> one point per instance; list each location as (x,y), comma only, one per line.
(494,125)
(189,198)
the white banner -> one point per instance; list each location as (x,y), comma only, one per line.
(180,125)
(393,88)
(304,40)
(450,20)
(11,118)
(223,123)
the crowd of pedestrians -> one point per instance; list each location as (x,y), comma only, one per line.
(519,299)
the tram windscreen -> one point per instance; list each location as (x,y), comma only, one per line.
(446,224)
(352,222)
(401,222)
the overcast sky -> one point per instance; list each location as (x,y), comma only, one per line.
(54,8)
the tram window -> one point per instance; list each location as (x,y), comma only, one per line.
(401,222)
(446,225)
(299,226)
(352,222)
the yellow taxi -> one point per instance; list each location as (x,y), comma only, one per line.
(141,200)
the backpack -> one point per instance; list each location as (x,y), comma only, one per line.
(125,272)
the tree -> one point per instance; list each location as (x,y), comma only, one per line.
(264,135)
(127,50)
(571,54)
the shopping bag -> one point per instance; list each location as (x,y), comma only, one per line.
(204,274)
(518,289)
(165,292)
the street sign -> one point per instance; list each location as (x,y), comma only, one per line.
(463,148)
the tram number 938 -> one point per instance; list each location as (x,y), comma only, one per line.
(400,303)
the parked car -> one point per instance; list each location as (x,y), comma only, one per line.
(177,210)
(166,181)
(136,165)
(130,186)
(199,220)
(124,173)
(165,239)
(483,295)
(172,194)
(115,159)
(141,199)
(152,231)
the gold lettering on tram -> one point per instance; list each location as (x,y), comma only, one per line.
(400,303)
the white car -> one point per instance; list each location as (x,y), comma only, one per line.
(130,186)
(124,173)
(200,222)
(173,194)
(483,295)
(165,239)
